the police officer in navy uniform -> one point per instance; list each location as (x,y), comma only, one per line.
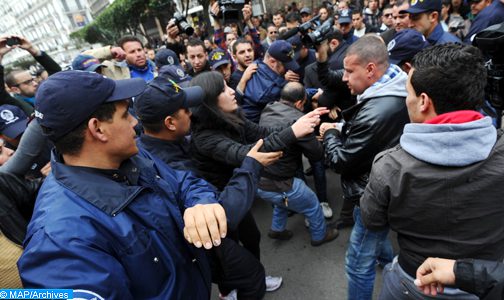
(112,223)
(424,16)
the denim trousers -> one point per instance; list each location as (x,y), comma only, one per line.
(364,249)
(398,285)
(300,199)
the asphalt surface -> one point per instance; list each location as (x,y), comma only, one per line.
(308,272)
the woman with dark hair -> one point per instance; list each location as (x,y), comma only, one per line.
(222,136)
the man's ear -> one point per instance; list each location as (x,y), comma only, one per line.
(371,69)
(299,104)
(433,16)
(15,90)
(169,123)
(426,103)
(96,131)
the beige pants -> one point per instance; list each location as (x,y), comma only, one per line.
(9,255)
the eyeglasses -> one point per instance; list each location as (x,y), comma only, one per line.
(271,32)
(29,81)
(387,15)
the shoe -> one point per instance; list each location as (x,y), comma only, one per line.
(306,223)
(331,234)
(233,295)
(340,224)
(273,283)
(280,235)
(326,210)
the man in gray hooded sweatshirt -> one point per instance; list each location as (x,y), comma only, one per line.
(441,188)
(374,124)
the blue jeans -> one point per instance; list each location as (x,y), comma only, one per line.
(301,199)
(319,179)
(365,247)
(398,285)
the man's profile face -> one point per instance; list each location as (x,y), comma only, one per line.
(197,57)
(244,54)
(25,84)
(421,22)
(356,75)
(121,132)
(412,102)
(135,54)
(183,122)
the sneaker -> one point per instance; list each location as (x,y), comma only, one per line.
(280,235)
(326,210)
(331,234)
(273,283)
(233,295)
(306,223)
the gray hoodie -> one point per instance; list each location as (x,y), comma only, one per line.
(451,145)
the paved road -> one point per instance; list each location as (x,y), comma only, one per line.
(308,272)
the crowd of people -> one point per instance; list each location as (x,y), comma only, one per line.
(132,176)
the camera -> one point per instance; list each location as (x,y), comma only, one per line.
(319,34)
(182,24)
(491,42)
(231,9)
(11,41)
(304,29)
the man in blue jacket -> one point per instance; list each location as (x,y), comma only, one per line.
(424,16)
(267,83)
(107,221)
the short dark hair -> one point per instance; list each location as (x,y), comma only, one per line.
(128,38)
(279,12)
(335,35)
(156,126)
(241,41)
(293,17)
(357,12)
(193,42)
(71,143)
(452,75)
(293,92)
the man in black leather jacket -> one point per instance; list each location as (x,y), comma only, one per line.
(374,124)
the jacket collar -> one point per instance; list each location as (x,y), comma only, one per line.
(270,74)
(436,34)
(109,190)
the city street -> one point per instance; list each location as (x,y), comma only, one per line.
(308,272)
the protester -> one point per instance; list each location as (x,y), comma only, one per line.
(21,82)
(372,125)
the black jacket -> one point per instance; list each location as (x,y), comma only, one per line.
(481,277)
(218,146)
(17,198)
(332,80)
(371,126)
(279,114)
